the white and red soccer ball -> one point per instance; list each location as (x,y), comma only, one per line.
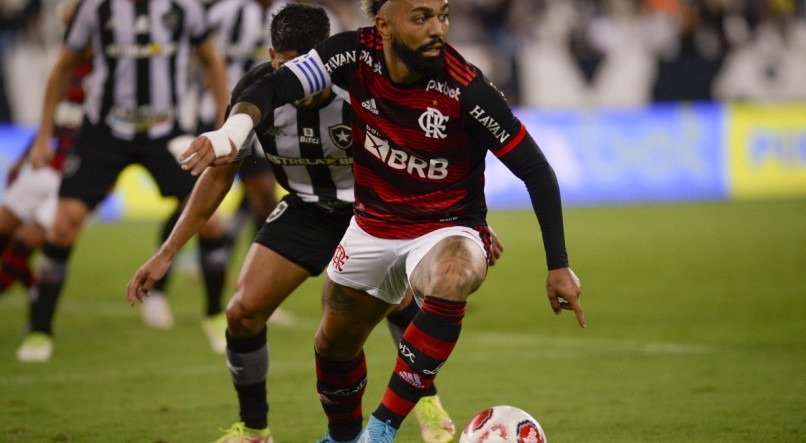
(503,424)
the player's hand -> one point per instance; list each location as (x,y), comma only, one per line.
(145,277)
(200,154)
(564,289)
(496,247)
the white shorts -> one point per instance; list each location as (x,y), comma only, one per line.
(382,267)
(33,197)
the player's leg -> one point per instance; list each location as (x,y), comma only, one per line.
(94,164)
(296,241)
(451,268)
(349,316)
(213,261)
(435,423)
(8,224)
(266,279)
(29,237)
(70,217)
(16,258)
(28,200)
(71,214)
(156,312)
(353,304)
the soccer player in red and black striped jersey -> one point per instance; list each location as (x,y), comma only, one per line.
(423,120)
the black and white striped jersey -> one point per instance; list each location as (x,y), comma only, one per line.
(141,52)
(242,33)
(308,148)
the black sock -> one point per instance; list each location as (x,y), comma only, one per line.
(167,227)
(213,256)
(45,295)
(249,364)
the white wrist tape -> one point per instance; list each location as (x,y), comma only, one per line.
(235,130)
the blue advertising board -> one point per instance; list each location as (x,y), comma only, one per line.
(661,153)
(658,154)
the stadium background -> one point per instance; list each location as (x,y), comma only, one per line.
(633,101)
(647,109)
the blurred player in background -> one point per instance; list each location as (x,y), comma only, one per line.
(423,120)
(138,83)
(309,147)
(29,203)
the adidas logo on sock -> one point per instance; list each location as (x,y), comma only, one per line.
(412,379)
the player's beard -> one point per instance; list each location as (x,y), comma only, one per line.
(416,61)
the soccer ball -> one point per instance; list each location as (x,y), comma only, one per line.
(503,424)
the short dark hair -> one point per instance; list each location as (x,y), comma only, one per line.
(299,28)
(371,7)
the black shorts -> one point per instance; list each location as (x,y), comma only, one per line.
(97,159)
(305,233)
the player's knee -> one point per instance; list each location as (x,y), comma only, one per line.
(456,278)
(333,348)
(452,270)
(242,321)
(337,342)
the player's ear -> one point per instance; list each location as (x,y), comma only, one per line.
(383,26)
(271,54)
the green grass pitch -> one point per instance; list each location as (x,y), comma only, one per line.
(695,333)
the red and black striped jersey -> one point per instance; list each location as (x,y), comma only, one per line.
(419,149)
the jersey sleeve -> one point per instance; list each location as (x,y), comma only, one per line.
(488,117)
(80,28)
(251,76)
(490,121)
(305,75)
(329,63)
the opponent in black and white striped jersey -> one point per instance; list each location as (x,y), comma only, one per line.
(139,82)
(309,147)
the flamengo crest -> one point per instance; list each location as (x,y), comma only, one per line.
(433,123)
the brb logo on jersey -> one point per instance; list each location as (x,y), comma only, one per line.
(433,123)
(435,168)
